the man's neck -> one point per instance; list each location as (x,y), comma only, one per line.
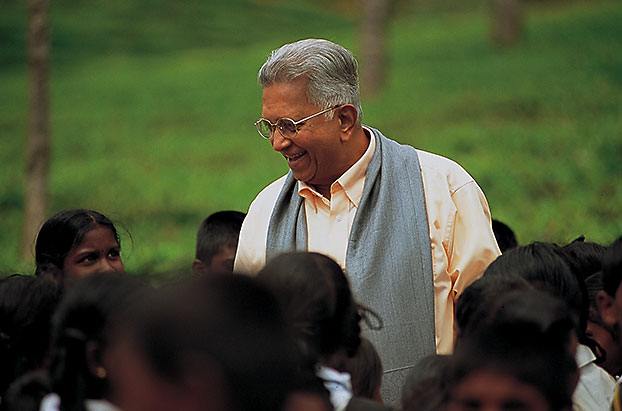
(322,189)
(357,148)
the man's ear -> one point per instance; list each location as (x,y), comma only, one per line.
(348,117)
(198,267)
(607,308)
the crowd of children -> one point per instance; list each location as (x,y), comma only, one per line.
(539,331)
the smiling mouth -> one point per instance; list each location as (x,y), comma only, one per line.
(293,157)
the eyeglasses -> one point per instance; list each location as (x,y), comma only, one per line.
(286,126)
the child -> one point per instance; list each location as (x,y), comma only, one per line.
(365,369)
(26,307)
(610,299)
(76,243)
(522,358)
(82,335)
(506,239)
(217,242)
(315,297)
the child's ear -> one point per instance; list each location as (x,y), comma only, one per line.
(198,267)
(607,308)
(94,360)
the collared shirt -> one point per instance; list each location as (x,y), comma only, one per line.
(461,237)
(329,221)
(596,387)
(338,385)
(51,402)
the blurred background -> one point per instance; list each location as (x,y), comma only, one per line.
(152,104)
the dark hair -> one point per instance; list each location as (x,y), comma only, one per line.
(544,266)
(612,267)
(477,299)
(315,297)
(365,369)
(86,315)
(26,392)
(218,230)
(584,257)
(526,337)
(26,307)
(594,284)
(228,324)
(506,239)
(426,385)
(540,311)
(61,233)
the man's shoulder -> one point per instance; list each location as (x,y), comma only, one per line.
(433,167)
(438,163)
(270,193)
(436,167)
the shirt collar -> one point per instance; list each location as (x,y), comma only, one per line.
(584,356)
(352,181)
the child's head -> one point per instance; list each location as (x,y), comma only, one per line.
(605,336)
(506,239)
(426,386)
(83,333)
(522,356)
(365,369)
(215,342)
(584,257)
(217,241)
(75,243)
(610,299)
(544,266)
(26,307)
(315,297)
(477,299)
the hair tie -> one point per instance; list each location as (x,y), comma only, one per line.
(370,317)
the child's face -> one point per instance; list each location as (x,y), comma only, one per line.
(607,341)
(610,310)
(493,391)
(98,252)
(223,261)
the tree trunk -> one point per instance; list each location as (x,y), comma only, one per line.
(38,137)
(507,22)
(376,15)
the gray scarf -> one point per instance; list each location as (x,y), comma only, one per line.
(388,259)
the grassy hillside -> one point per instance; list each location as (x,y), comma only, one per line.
(153,105)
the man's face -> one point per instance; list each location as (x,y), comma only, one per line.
(315,155)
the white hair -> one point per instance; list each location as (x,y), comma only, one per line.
(331,71)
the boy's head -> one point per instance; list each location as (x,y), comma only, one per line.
(610,299)
(476,300)
(365,369)
(544,267)
(217,241)
(523,355)
(506,239)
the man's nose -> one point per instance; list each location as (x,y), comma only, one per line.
(279,143)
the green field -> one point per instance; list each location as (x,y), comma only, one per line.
(153,105)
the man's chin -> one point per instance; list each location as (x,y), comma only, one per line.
(302,177)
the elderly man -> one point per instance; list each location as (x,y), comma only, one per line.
(412,229)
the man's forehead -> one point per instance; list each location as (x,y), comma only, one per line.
(284,99)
